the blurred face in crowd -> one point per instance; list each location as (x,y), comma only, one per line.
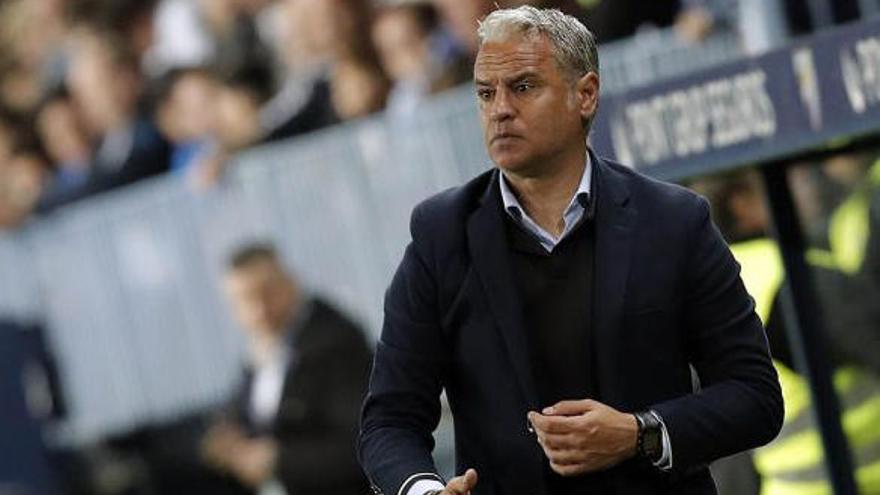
(237,124)
(307,35)
(263,297)
(190,111)
(532,113)
(401,43)
(105,92)
(61,129)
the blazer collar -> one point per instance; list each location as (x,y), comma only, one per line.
(615,222)
(491,260)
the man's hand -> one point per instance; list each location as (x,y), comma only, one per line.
(251,460)
(461,485)
(219,444)
(255,461)
(584,436)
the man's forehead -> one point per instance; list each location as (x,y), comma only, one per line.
(514,54)
(256,269)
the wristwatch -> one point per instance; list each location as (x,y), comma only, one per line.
(650,436)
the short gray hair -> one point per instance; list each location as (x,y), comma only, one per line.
(574,45)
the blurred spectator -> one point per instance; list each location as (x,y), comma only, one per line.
(131,21)
(358,85)
(461,17)
(408,38)
(187,115)
(615,19)
(304,51)
(234,32)
(236,125)
(800,16)
(331,72)
(19,86)
(21,182)
(61,130)
(693,20)
(106,85)
(854,225)
(29,56)
(293,422)
(788,464)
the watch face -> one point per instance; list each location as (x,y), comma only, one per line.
(653,444)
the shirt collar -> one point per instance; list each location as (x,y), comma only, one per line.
(580,198)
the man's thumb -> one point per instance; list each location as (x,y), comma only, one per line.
(462,485)
(470,478)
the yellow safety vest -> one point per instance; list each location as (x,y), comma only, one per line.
(850,224)
(793,464)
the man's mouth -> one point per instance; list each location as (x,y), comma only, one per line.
(504,136)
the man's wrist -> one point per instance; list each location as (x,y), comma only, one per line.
(649,441)
(422,484)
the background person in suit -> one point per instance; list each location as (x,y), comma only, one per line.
(561,301)
(294,421)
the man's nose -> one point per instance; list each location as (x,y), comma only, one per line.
(502,108)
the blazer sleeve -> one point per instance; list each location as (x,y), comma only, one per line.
(739,406)
(402,408)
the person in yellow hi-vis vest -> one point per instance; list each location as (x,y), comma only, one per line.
(794,464)
(853,247)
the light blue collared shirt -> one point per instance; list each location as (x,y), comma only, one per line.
(572,215)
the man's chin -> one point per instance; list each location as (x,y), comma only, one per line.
(513,166)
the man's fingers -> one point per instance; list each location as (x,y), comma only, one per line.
(560,441)
(570,407)
(552,424)
(462,485)
(566,457)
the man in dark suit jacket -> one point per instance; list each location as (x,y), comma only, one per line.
(561,301)
(294,422)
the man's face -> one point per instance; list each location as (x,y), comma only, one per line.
(263,297)
(532,114)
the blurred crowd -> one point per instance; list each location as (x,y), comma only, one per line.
(95,94)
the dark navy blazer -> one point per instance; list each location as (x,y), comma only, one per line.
(667,297)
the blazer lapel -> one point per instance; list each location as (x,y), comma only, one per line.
(491,260)
(615,221)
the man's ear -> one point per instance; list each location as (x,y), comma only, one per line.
(587,88)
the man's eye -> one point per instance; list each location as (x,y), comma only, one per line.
(522,87)
(484,94)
